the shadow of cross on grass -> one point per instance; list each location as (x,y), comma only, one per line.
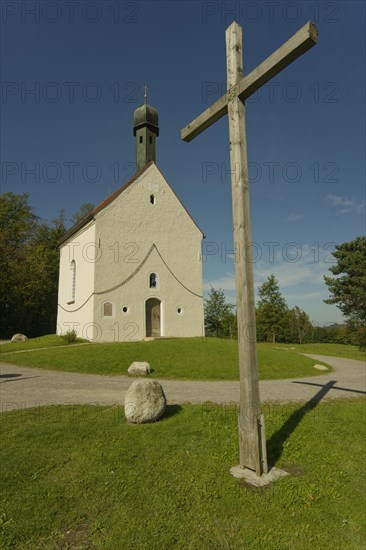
(276,441)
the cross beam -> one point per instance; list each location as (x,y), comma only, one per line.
(252,440)
(299,43)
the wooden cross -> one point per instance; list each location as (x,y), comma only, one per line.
(252,439)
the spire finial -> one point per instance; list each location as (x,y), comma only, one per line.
(145,94)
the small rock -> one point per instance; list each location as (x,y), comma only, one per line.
(145,401)
(19,337)
(139,368)
(320,367)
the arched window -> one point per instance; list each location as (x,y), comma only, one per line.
(107,309)
(72,284)
(153,281)
(152,199)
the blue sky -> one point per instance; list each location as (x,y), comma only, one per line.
(87,62)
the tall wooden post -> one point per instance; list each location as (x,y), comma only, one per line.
(251,429)
(252,437)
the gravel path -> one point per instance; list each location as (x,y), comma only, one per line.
(23,387)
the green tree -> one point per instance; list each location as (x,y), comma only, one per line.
(29,268)
(299,329)
(348,288)
(347,333)
(230,325)
(271,312)
(18,226)
(218,313)
(84,209)
(327,333)
(357,333)
(42,269)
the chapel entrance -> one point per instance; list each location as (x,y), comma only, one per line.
(152,315)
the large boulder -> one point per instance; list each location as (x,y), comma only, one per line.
(145,401)
(19,337)
(139,368)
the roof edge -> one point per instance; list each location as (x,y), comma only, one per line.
(195,223)
(101,205)
(114,195)
(75,228)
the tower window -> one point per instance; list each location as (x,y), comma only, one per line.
(180,310)
(150,140)
(152,199)
(141,139)
(153,281)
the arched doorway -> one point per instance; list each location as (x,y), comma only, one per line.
(153,317)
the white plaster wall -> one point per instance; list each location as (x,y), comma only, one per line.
(82,247)
(126,230)
(131,326)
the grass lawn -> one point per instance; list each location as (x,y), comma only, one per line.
(81,478)
(49,340)
(181,358)
(335,350)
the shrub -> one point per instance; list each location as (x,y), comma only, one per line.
(70,336)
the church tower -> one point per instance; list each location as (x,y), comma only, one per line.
(146,130)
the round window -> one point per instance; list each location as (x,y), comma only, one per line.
(125,309)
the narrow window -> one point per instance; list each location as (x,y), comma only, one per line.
(152,199)
(72,281)
(141,139)
(107,309)
(150,140)
(153,280)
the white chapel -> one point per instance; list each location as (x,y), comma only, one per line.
(131,269)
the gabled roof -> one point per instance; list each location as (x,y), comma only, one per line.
(91,215)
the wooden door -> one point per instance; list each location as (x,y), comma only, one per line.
(152,313)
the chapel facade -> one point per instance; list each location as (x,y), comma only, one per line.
(131,269)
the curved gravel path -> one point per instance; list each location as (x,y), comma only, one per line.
(23,387)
